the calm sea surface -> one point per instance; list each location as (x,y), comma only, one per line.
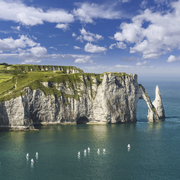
(154,153)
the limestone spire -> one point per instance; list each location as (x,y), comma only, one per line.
(158,104)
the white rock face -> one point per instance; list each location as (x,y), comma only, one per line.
(113,101)
(158,104)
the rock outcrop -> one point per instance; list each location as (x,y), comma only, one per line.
(158,104)
(114,100)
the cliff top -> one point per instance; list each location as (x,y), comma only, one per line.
(14,78)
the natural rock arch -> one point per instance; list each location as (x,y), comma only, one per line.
(155,109)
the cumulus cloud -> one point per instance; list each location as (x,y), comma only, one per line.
(120,45)
(84,60)
(94,48)
(87,12)
(172,58)
(29,51)
(38,51)
(17,28)
(62,26)
(10,44)
(143,4)
(77,47)
(26,15)
(73,34)
(88,36)
(34,53)
(142,63)
(160,34)
(23,48)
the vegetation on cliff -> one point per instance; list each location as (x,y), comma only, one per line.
(14,78)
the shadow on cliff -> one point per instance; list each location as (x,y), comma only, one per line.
(4,119)
(82,120)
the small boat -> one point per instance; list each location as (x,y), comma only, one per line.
(88,149)
(27,155)
(98,151)
(128,146)
(32,161)
(36,154)
(79,153)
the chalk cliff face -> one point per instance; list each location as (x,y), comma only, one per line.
(114,100)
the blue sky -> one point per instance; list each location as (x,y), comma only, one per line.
(132,36)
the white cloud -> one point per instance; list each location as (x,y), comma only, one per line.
(62,26)
(88,36)
(4,56)
(125,1)
(31,61)
(162,2)
(143,4)
(130,32)
(122,66)
(35,53)
(94,48)
(29,51)
(34,37)
(17,28)
(53,48)
(112,46)
(9,44)
(19,12)
(73,34)
(120,45)
(172,58)
(95,67)
(77,47)
(84,60)
(87,12)
(160,34)
(23,48)
(38,51)
(81,59)
(141,63)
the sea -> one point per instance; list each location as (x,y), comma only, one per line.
(154,153)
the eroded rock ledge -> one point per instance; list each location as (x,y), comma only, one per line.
(114,100)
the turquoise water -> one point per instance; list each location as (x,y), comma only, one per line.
(154,153)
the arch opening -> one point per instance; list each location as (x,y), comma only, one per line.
(82,120)
(142,111)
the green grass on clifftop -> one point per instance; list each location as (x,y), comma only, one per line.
(14,78)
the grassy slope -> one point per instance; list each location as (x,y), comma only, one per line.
(17,77)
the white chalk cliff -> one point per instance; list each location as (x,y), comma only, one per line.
(114,100)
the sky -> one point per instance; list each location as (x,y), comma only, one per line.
(132,36)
